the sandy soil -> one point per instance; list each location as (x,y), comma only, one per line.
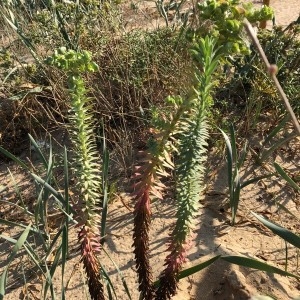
(212,236)
(285,11)
(145,13)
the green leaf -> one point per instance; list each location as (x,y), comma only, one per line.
(192,270)
(11,223)
(120,274)
(281,206)
(242,157)
(235,199)
(50,274)
(277,129)
(105,168)
(64,257)
(18,245)
(265,154)
(109,282)
(256,264)
(287,235)
(255,179)
(65,239)
(229,158)
(14,158)
(53,191)
(233,143)
(38,151)
(286,177)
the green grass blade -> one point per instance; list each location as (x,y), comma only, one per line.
(38,151)
(48,283)
(50,274)
(28,249)
(50,161)
(14,158)
(287,235)
(62,29)
(236,197)
(8,75)
(243,155)
(286,177)
(229,160)
(26,41)
(3,280)
(281,206)
(67,206)
(32,254)
(11,223)
(265,154)
(233,143)
(19,195)
(286,256)
(40,219)
(109,282)
(26,296)
(256,264)
(54,240)
(76,37)
(120,274)
(105,165)
(276,129)
(21,208)
(233,172)
(38,261)
(253,180)
(49,179)
(66,181)
(64,256)
(110,295)
(53,191)
(192,270)
(18,245)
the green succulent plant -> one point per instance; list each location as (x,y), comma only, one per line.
(86,161)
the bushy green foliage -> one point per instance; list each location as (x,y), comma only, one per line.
(224,20)
(248,89)
(282,49)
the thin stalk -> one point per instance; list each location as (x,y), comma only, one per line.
(272,70)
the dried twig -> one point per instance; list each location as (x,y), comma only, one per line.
(272,70)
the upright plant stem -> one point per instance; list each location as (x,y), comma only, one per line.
(86,163)
(148,183)
(189,166)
